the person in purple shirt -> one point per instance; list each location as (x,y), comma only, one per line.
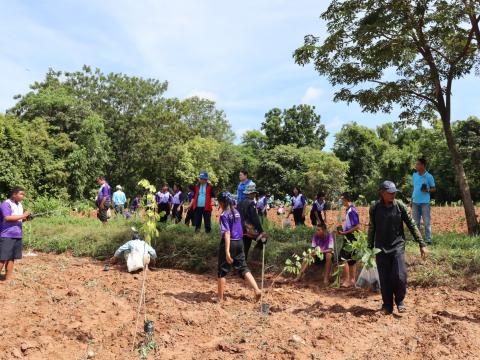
(177,202)
(262,205)
(11,217)
(135,205)
(164,199)
(349,227)
(190,195)
(299,207)
(230,251)
(103,199)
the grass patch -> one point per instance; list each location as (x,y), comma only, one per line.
(454,259)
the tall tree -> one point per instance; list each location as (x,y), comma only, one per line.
(299,126)
(400,52)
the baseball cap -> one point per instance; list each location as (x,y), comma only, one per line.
(389,187)
(203,175)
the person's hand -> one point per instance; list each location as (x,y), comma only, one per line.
(26,215)
(340,232)
(424,252)
(229,258)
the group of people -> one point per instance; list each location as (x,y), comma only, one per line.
(241,224)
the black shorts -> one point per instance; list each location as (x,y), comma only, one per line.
(10,249)
(102,214)
(347,255)
(238,256)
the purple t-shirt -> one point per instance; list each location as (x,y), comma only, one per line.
(351,218)
(190,196)
(135,203)
(262,203)
(325,243)
(231,221)
(104,192)
(178,198)
(10,229)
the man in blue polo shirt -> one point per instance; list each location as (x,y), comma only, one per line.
(423,186)
(244,182)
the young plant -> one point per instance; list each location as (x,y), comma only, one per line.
(361,251)
(294,264)
(149,226)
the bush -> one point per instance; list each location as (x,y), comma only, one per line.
(47,206)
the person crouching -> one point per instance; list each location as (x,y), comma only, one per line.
(231,250)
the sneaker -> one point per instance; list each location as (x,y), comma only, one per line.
(387,309)
(401,307)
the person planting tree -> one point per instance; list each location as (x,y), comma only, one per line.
(12,217)
(385,232)
(231,251)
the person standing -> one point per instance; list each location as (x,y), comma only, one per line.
(12,218)
(252,226)
(189,215)
(318,213)
(423,186)
(244,182)
(298,207)
(262,205)
(202,203)
(119,199)
(164,199)
(104,198)
(178,199)
(135,205)
(385,232)
(349,227)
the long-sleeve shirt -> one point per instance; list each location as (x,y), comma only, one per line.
(139,245)
(250,220)
(119,198)
(385,229)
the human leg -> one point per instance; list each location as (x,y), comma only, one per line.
(328,267)
(426,222)
(384,266)
(197,218)
(399,277)
(207,218)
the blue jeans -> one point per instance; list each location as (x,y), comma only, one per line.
(423,211)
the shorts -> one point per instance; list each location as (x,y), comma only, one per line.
(10,249)
(238,256)
(102,214)
(347,255)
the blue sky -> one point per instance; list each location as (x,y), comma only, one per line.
(236,53)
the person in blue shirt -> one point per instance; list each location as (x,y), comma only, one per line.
(423,186)
(119,199)
(244,181)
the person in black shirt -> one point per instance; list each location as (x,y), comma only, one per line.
(385,232)
(252,226)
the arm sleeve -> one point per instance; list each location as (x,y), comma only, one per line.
(254,219)
(181,197)
(354,218)
(151,251)
(407,219)
(431,181)
(224,224)
(121,249)
(371,227)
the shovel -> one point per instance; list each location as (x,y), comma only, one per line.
(265,308)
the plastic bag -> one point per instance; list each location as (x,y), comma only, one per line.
(369,279)
(138,257)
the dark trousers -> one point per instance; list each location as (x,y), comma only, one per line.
(247,243)
(298,217)
(177,212)
(165,208)
(393,277)
(189,217)
(200,213)
(262,214)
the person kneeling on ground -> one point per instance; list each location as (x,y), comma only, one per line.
(137,253)
(231,251)
(251,224)
(349,227)
(11,219)
(323,240)
(385,232)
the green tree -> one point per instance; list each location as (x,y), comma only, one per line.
(255,140)
(400,52)
(299,126)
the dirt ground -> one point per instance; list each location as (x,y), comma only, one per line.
(61,307)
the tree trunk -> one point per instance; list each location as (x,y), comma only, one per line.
(470,216)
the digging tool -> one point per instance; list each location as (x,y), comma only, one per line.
(265,308)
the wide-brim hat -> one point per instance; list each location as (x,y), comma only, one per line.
(250,189)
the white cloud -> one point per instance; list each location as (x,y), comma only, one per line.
(239,133)
(311,95)
(203,94)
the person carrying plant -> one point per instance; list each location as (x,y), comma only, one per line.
(12,217)
(322,241)
(177,201)
(423,186)
(298,207)
(202,203)
(348,229)
(318,213)
(385,232)
(231,251)
(103,199)
(119,199)
(251,224)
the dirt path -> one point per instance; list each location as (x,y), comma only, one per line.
(60,307)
